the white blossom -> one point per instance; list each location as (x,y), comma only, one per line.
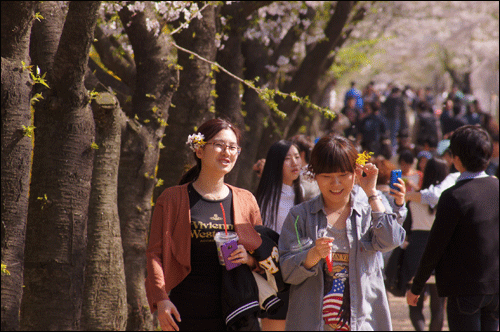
(282,61)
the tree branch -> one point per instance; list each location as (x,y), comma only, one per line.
(73,50)
(107,48)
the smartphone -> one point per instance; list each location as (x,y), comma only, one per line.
(226,250)
(395,175)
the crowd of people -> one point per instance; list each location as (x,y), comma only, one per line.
(315,238)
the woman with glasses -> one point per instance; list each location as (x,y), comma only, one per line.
(278,191)
(185,281)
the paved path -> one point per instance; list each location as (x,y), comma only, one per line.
(401,318)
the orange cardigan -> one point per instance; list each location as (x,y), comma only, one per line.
(169,250)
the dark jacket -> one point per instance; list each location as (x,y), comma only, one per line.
(239,294)
(463,242)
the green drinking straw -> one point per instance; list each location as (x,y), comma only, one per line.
(296,230)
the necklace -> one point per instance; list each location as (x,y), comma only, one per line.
(337,218)
(221,193)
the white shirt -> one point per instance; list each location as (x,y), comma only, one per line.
(286,203)
(431,195)
(421,219)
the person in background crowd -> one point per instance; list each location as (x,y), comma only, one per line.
(348,292)
(279,190)
(427,130)
(411,176)
(430,196)
(450,118)
(305,146)
(435,171)
(392,110)
(353,92)
(429,97)
(370,95)
(184,273)
(353,113)
(372,129)
(422,158)
(474,114)
(458,98)
(463,246)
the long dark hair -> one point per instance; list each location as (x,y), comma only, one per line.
(209,129)
(271,182)
(435,171)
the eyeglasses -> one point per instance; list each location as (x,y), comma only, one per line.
(221,146)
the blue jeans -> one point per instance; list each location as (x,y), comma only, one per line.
(473,313)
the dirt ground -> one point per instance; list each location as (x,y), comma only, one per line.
(401,318)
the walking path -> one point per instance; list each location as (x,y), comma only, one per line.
(401,318)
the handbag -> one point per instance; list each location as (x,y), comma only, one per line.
(394,282)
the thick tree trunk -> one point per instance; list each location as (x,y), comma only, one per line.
(105,299)
(46,33)
(17,18)
(313,65)
(192,99)
(256,57)
(60,187)
(155,85)
(228,102)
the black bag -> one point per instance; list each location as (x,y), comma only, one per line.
(394,282)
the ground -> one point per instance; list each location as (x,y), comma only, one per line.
(401,318)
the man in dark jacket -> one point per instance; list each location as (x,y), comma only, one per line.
(393,108)
(463,243)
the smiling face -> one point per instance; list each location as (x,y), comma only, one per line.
(217,160)
(335,187)
(291,166)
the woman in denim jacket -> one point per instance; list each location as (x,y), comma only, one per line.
(336,281)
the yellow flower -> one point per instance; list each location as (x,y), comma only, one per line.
(363,157)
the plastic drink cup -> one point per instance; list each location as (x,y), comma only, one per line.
(305,243)
(220,239)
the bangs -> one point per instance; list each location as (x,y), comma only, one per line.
(333,154)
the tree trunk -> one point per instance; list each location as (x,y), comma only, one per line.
(313,65)
(60,187)
(46,33)
(105,299)
(256,57)
(155,85)
(192,99)
(228,102)
(17,18)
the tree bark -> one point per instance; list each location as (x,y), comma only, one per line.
(313,65)
(155,85)
(107,47)
(17,18)
(192,99)
(258,115)
(105,299)
(61,178)
(46,33)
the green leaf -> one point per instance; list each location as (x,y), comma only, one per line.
(28,131)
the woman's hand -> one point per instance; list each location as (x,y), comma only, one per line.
(321,249)
(411,298)
(165,310)
(323,246)
(241,255)
(399,196)
(368,182)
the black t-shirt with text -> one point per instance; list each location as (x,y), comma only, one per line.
(198,296)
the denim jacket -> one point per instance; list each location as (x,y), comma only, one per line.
(367,232)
